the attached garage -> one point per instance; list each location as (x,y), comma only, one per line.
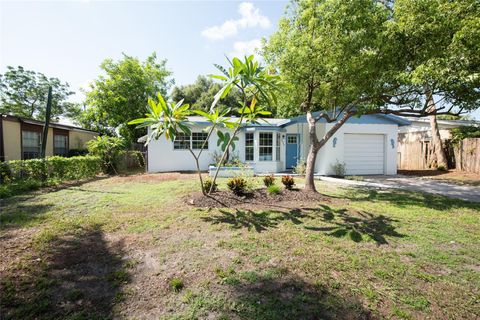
(364,154)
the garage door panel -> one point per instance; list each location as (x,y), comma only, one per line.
(364,153)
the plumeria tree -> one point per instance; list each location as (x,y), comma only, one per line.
(255,83)
(171,119)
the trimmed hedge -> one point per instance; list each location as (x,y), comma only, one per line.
(52,169)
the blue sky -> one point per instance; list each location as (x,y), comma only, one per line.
(69,39)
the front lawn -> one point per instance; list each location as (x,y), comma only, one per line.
(134,247)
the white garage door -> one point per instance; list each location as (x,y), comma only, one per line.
(364,154)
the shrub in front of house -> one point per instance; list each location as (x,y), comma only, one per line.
(207,184)
(273,189)
(55,168)
(237,185)
(23,175)
(288,182)
(268,180)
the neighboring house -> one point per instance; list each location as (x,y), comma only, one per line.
(420,128)
(367,145)
(415,151)
(20,138)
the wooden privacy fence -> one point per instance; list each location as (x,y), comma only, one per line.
(418,155)
(467,155)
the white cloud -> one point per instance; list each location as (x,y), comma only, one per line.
(245,48)
(250,17)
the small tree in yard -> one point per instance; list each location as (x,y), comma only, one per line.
(252,80)
(171,119)
(254,83)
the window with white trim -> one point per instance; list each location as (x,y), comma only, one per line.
(181,142)
(249,146)
(265,147)
(277,148)
(198,138)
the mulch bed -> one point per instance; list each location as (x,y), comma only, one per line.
(257,197)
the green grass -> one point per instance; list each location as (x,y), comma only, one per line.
(387,254)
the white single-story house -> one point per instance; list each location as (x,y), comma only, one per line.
(367,145)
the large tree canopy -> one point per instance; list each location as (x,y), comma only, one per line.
(122,93)
(347,58)
(24,93)
(438,44)
(201,93)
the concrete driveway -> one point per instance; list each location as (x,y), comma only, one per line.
(463,192)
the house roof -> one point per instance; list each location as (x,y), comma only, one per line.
(453,123)
(281,122)
(41,123)
(365,119)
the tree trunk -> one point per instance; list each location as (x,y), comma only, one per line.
(440,155)
(312,153)
(316,145)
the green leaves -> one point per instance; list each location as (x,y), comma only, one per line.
(167,118)
(250,78)
(224,138)
(121,93)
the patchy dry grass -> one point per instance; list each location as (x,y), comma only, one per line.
(131,247)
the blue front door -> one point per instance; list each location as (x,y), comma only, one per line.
(292,151)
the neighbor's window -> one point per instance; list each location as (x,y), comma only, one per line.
(265,146)
(30,144)
(181,142)
(60,145)
(198,138)
(249,146)
(277,149)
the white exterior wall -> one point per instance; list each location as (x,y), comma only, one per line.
(328,155)
(162,157)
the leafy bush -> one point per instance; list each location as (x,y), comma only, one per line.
(109,149)
(22,175)
(273,189)
(300,168)
(460,133)
(207,184)
(5,173)
(268,180)
(288,182)
(237,185)
(339,169)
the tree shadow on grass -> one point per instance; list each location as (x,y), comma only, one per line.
(288,296)
(363,223)
(343,223)
(404,198)
(259,221)
(77,275)
(22,214)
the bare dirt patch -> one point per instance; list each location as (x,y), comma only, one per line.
(256,199)
(152,177)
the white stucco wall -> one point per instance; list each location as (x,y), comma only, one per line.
(328,155)
(162,157)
